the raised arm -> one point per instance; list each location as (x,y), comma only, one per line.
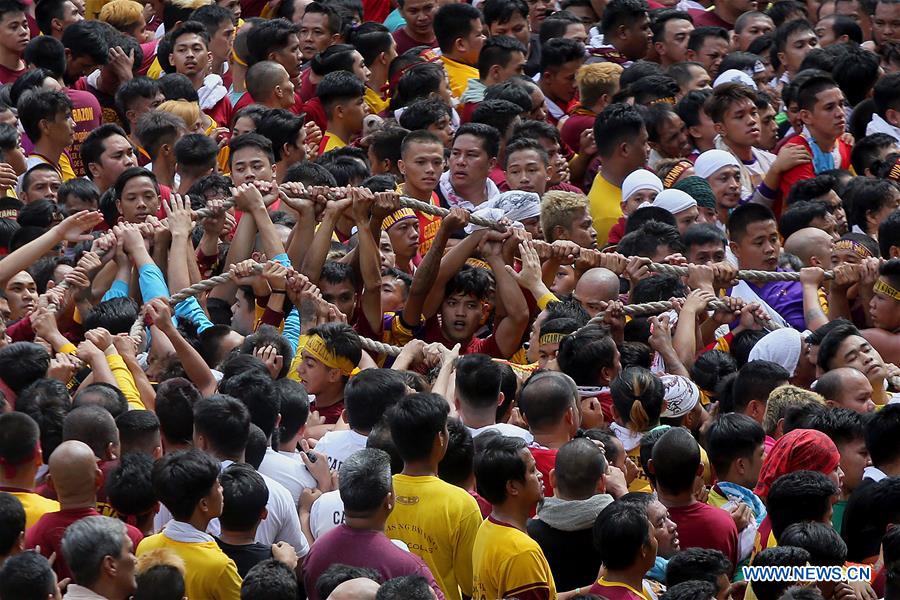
(160,314)
(508,333)
(369,258)
(428,272)
(71,229)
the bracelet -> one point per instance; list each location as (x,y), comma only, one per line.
(546,299)
(273,292)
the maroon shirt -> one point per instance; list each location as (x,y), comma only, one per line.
(405,42)
(708,18)
(48,533)
(331,414)
(362,548)
(704,526)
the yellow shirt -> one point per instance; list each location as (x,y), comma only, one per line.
(35,505)
(155,71)
(507,563)
(209,573)
(459,75)
(438,521)
(606,207)
(65,166)
(332,142)
(376,103)
(125,381)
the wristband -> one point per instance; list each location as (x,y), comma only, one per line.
(546,299)
(273,292)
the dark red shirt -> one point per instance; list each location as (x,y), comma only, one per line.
(545,461)
(704,526)
(574,126)
(48,532)
(432,332)
(708,18)
(405,42)
(331,414)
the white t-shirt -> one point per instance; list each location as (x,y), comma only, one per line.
(338,445)
(287,470)
(327,512)
(505,429)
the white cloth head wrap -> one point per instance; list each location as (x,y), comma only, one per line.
(514,205)
(681,396)
(674,201)
(712,160)
(782,346)
(642,179)
(734,76)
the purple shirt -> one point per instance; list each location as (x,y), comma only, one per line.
(786,298)
(362,548)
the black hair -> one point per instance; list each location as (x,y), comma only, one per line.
(501,11)
(93,425)
(856,72)
(703,564)
(12,522)
(882,430)
(885,94)
(755,381)
(701,234)
(690,106)
(39,105)
(136,427)
(21,363)
(646,240)
(866,153)
(48,53)
(675,456)
(620,531)
(745,215)
(252,140)
(556,24)
(337,87)
(499,114)
(498,50)
(386,143)
(889,234)
(453,21)
(371,393)
(182,479)
(579,467)
(338,573)
(211,16)
(655,88)
(622,12)
(808,190)
(638,397)
(423,113)
(800,215)
(420,81)
(825,546)
(175,399)
(94,144)
(129,487)
(159,582)
(27,576)
(309,174)
(469,281)
(616,124)
(268,36)
(663,16)
(646,214)
(478,380)
(87,38)
(131,90)
(270,579)
(45,13)
(583,354)
(788,556)
(116,315)
(497,462)
(336,57)
(559,51)
(700,34)
(415,420)
(809,88)
(294,407)
(797,497)
(458,463)
(865,195)
(245,496)
(690,590)
(510,90)
(405,587)
(489,136)
(732,436)
(224,421)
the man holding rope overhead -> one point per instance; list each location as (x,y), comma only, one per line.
(239,314)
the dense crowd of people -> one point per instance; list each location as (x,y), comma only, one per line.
(516,299)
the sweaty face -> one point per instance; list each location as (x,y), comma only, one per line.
(393,294)
(637,40)
(582,231)
(855,393)
(726,185)
(711,53)
(827,116)
(405,237)
(250,164)
(469,162)
(561,81)
(189,55)
(884,309)
(313,374)
(118,155)
(43,184)
(139,200)
(857,353)
(461,316)
(759,247)
(21,295)
(342,295)
(527,170)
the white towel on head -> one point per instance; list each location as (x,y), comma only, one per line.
(712,160)
(674,201)
(782,346)
(642,179)
(681,396)
(734,76)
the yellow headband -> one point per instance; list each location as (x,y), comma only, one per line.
(238,59)
(396,216)
(887,289)
(853,246)
(478,264)
(552,338)
(316,348)
(894,173)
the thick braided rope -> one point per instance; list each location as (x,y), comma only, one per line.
(440,211)
(137,328)
(744,274)
(651,308)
